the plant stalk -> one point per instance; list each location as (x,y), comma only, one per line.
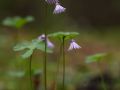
(30,68)
(45,64)
(63,52)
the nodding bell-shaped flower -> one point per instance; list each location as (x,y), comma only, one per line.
(58,9)
(52,1)
(41,37)
(49,43)
(73,45)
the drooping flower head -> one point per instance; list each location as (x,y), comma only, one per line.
(73,45)
(42,37)
(52,1)
(49,43)
(58,9)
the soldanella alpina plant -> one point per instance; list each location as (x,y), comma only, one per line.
(58,9)
(96,58)
(63,37)
(29,49)
(42,43)
(17,23)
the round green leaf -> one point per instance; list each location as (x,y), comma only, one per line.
(67,35)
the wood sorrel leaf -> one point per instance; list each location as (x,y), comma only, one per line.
(67,35)
(95,58)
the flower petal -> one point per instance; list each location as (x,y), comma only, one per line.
(50,44)
(52,1)
(73,45)
(58,9)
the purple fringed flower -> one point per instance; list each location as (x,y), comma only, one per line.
(49,43)
(58,9)
(73,45)
(52,1)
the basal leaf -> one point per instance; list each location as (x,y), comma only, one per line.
(21,46)
(20,23)
(39,44)
(17,21)
(41,47)
(28,53)
(31,46)
(67,35)
(95,58)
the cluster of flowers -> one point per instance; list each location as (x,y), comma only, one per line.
(73,44)
(58,8)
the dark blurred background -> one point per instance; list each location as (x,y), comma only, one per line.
(84,12)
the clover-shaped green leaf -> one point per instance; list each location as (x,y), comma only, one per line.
(17,21)
(95,58)
(66,35)
(29,47)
